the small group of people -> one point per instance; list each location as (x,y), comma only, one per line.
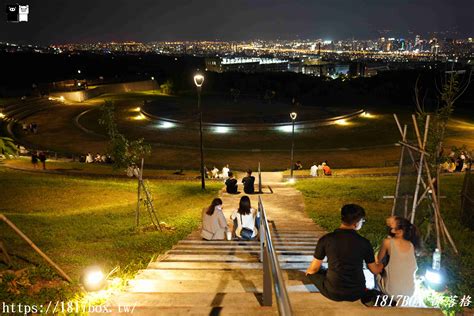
(232,187)
(321,169)
(97,158)
(394,266)
(38,156)
(30,128)
(457,163)
(215,174)
(346,251)
(245,219)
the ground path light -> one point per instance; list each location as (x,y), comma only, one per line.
(93,279)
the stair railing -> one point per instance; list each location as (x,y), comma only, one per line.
(272,275)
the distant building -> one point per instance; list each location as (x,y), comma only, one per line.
(248,65)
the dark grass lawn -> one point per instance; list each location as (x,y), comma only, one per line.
(178,148)
(80,221)
(325,196)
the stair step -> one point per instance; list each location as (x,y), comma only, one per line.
(248,274)
(313,239)
(222,265)
(243,243)
(186,311)
(255,252)
(244,257)
(210,286)
(311,303)
(188,300)
(234,303)
(248,248)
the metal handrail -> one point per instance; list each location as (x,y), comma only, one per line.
(272,274)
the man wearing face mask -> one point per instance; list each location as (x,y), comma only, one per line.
(346,252)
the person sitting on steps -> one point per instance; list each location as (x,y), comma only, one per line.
(231,184)
(249,182)
(346,252)
(214,224)
(246,220)
(398,277)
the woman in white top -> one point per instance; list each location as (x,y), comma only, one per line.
(214,225)
(398,277)
(244,217)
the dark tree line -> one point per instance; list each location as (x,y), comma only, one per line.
(21,70)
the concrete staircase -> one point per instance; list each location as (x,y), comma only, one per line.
(198,277)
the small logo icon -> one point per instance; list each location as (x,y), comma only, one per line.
(17,13)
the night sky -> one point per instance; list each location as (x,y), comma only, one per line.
(79,21)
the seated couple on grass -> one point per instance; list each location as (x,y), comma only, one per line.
(246,221)
(346,251)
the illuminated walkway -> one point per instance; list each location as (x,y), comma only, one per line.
(200,277)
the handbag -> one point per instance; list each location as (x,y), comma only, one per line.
(245,233)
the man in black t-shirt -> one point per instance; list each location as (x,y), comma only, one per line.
(231,184)
(346,251)
(249,182)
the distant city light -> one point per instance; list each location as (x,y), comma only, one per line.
(78,71)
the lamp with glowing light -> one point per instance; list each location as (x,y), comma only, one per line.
(93,279)
(434,279)
(293,116)
(198,81)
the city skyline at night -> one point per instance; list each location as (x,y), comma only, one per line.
(55,22)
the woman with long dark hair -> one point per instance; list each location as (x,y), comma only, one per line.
(398,277)
(244,220)
(214,224)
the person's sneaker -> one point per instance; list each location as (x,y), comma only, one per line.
(370,297)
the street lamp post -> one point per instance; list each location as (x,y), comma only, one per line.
(198,81)
(293,118)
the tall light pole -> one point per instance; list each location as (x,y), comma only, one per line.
(198,81)
(293,118)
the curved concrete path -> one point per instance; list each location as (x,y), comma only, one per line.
(200,277)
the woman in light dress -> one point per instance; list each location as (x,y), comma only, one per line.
(398,277)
